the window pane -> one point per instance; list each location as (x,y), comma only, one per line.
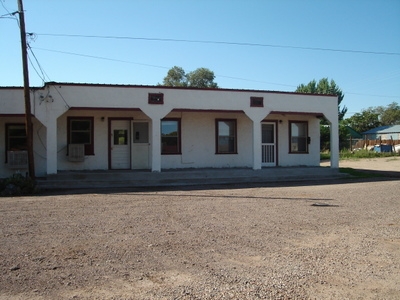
(226,136)
(170,137)
(120,137)
(298,139)
(169,128)
(16,137)
(80,125)
(267,133)
(80,138)
(16,131)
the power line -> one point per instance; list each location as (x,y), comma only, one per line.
(163,67)
(220,43)
(100,57)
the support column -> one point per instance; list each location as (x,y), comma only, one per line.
(51,146)
(334,131)
(155,145)
(256,145)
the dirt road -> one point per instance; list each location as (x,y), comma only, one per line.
(339,241)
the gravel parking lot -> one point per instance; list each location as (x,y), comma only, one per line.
(330,241)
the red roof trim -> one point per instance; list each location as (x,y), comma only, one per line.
(181,88)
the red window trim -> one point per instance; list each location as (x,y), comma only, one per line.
(179,136)
(6,135)
(254,100)
(153,96)
(89,148)
(290,137)
(217,135)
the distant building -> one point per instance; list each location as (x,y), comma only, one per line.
(383,132)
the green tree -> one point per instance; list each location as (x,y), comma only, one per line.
(202,78)
(199,78)
(176,76)
(389,115)
(364,121)
(326,87)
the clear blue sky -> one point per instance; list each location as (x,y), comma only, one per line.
(367,79)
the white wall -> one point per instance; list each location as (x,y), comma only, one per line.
(198,142)
(198,128)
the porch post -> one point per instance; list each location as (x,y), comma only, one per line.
(51,146)
(155,145)
(256,144)
(334,131)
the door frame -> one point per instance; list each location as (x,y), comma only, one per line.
(275,123)
(110,119)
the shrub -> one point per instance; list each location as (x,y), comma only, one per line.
(17,185)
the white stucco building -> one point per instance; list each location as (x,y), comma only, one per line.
(104,127)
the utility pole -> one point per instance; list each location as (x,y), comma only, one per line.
(28,116)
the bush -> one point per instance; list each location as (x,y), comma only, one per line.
(347,154)
(17,185)
(364,154)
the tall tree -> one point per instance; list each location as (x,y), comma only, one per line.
(176,76)
(324,86)
(199,78)
(389,115)
(373,117)
(202,78)
(363,121)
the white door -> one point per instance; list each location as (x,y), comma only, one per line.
(268,144)
(120,144)
(140,145)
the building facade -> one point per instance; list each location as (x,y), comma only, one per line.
(107,127)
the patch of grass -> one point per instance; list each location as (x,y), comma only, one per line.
(347,154)
(325,155)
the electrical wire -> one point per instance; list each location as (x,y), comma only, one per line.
(100,57)
(220,43)
(163,67)
(38,64)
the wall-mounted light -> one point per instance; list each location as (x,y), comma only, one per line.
(280,121)
(102,119)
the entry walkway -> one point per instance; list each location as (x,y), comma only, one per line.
(133,179)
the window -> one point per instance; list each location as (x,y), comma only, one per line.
(226,138)
(80,131)
(298,137)
(170,136)
(156,98)
(256,101)
(120,137)
(16,137)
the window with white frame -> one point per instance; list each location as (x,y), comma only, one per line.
(298,140)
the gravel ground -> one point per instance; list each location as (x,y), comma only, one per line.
(330,241)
